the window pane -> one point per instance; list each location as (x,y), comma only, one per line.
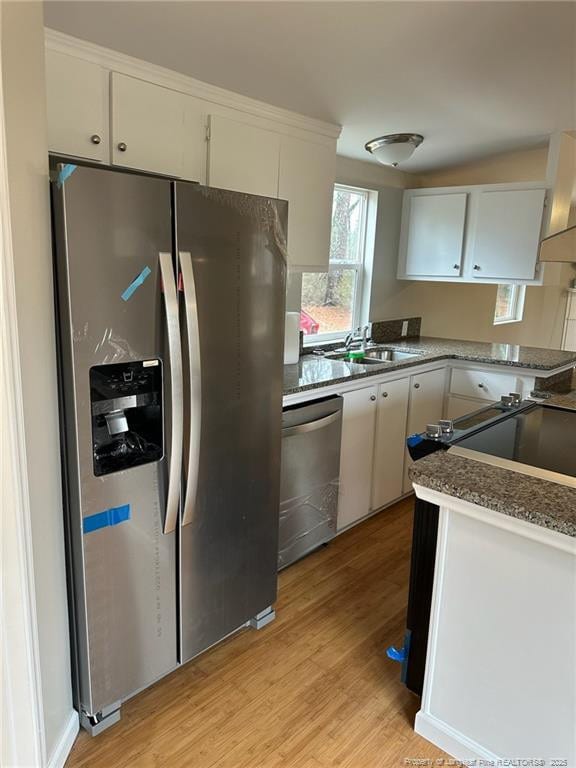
(505,302)
(347,225)
(327,301)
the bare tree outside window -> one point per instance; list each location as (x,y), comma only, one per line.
(330,300)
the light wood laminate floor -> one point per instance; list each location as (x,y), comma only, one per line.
(312,689)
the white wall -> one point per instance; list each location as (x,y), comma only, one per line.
(372,175)
(22,51)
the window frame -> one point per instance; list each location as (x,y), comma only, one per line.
(359,267)
(516,305)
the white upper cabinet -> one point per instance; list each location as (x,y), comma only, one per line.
(157,129)
(77,103)
(434,234)
(487,233)
(508,234)
(126,113)
(242,157)
(307,174)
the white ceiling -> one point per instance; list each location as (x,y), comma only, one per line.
(475,78)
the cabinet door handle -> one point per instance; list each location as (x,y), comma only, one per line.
(416,386)
(456,266)
(122,147)
(481,386)
(384,394)
(372,397)
(95,139)
(477,267)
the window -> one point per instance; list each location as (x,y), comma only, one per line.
(332,301)
(509,304)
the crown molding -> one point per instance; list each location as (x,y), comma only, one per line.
(128,65)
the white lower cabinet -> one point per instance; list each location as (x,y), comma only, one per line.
(482,385)
(474,388)
(426,406)
(391,421)
(356,455)
(376,420)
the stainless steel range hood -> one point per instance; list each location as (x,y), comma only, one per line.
(560,247)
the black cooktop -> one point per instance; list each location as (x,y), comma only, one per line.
(540,436)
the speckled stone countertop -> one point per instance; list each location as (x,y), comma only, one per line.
(313,372)
(561,398)
(565,400)
(537,501)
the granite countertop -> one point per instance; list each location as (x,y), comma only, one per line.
(313,371)
(537,501)
(564,400)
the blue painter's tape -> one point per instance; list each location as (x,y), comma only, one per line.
(396,654)
(67,170)
(413,440)
(108,517)
(136,283)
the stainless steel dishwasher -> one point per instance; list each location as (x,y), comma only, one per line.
(310,477)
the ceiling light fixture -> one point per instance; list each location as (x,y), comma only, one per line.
(395,148)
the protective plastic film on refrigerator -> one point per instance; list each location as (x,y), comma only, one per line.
(170,310)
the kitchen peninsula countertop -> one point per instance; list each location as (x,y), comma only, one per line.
(537,501)
(564,400)
(313,371)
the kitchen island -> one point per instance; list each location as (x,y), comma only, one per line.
(500,679)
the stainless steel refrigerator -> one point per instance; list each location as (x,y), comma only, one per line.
(171,313)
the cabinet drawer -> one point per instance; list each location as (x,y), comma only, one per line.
(483,385)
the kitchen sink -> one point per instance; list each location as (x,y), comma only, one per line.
(389,355)
(376,356)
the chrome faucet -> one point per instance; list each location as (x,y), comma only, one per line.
(359,334)
(348,340)
(365,330)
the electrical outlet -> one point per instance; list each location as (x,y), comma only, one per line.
(404,327)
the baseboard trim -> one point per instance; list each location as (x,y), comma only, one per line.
(65,742)
(451,741)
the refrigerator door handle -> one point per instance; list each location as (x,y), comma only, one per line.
(191,311)
(176,391)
